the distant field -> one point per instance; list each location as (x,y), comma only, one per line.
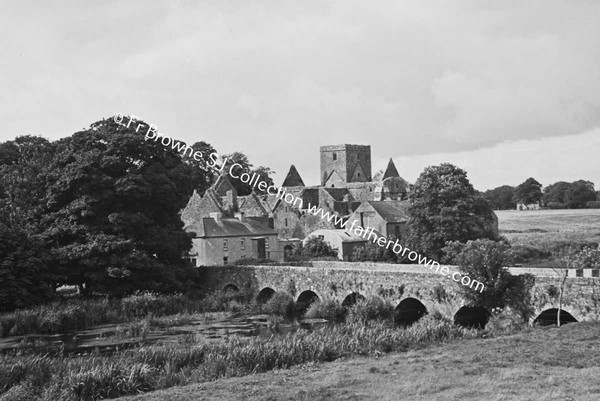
(549,230)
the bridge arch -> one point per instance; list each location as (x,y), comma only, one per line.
(408,311)
(231,288)
(265,295)
(548,317)
(472,317)
(304,300)
(352,299)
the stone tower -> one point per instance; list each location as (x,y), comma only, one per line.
(342,164)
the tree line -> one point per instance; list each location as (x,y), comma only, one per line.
(98,209)
(579,194)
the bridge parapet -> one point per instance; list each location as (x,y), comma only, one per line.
(340,280)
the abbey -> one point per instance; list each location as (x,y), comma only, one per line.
(347,188)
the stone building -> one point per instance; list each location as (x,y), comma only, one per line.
(346,183)
(227,228)
(388,218)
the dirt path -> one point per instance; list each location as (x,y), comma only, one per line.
(546,364)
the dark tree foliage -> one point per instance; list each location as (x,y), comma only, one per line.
(574,195)
(112,211)
(314,247)
(444,207)
(486,262)
(529,192)
(24,165)
(581,192)
(24,275)
(201,176)
(242,188)
(501,198)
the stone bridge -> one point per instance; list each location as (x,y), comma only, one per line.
(414,290)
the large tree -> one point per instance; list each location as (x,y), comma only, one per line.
(24,274)
(24,165)
(529,192)
(112,211)
(202,177)
(242,188)
(487,261)
(574,195)
(444,207)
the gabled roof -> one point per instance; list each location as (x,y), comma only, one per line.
(338,194)
(199,207)
(222,185)
(252,203)
(293,179)
(390,171)
(391,211)
(228,227)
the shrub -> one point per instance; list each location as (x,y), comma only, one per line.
(318,247)
(280,304)
(528,253)
(142,304)
(507,322)
(373,308)
(556,205)
(593,205)
(328,309)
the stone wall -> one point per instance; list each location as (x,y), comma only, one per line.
(337,280)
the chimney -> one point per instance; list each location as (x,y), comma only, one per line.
(239,216)
(216,216)
(232,200)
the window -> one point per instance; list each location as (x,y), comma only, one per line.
(225,245)
(321,237)
(243,244)
(579,273)
(194,261)
(334,156)
(358,175)
(595,273)
(285,222)
(224,260)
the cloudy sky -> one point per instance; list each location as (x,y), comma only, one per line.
(504,89)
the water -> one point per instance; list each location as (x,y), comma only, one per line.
(108,339)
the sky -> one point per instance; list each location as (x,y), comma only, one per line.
(504,89)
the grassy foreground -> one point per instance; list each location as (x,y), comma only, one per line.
(547,363)
(90,377)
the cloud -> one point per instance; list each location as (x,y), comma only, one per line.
(409,78)
(565,158)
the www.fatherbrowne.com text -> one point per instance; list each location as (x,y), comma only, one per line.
(236,171)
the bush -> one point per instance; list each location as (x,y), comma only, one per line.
(371,252)
(593,205)
(142,304)
(329,309)
(316,247)
(528,253)
(556,205)
(373,308)
(280,304)
(507,322)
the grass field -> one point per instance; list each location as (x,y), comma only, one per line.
(546,363)
(540,232)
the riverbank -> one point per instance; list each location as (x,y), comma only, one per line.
(547,363)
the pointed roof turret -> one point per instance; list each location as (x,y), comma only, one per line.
(293,179)
(390,171)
